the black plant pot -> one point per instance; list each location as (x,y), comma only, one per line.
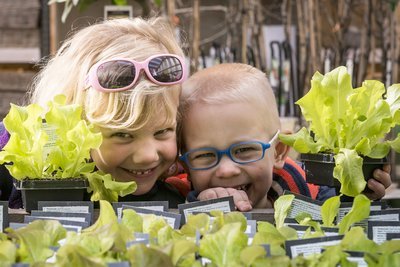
(35,190)
(319,168)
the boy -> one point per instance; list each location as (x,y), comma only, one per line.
(229,140)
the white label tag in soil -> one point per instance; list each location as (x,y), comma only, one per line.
(51,142)
(151,205)
(224,204)
(304,204)
(3,215)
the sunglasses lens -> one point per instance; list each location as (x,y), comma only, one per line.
(116,74)
(166,69)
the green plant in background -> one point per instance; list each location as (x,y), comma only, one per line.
(58,148)
(347,122)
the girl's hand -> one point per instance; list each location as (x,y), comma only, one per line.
(379,183)
(240,197)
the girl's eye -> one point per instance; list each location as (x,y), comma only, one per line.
(121,135)
(163,132)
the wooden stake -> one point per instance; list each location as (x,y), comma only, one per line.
(171,10)
(53,23)
(365,43)
(194,60)
(245,25)
(261,40)
(311,28)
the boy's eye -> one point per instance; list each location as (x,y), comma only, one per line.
(247,151)
(244,150)
(204,155)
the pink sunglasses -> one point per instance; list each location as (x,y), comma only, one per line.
(121,74)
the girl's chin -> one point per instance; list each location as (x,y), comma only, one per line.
(143,188)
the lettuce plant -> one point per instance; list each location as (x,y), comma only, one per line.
(350,123)
(224,243)
(58,148)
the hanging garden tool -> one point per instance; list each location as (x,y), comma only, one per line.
(350,63)
(250,56)
(289,80)
(329,59)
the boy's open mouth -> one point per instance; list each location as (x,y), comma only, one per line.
(243,187)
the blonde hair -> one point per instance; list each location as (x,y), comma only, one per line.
(123,38)
(230,83)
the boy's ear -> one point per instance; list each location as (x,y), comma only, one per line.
(281,152)
(185,168)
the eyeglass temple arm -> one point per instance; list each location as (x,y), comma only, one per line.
(275,137)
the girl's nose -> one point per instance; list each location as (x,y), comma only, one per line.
(226,168)
(145,153)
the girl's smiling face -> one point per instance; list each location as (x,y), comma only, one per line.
(142,155)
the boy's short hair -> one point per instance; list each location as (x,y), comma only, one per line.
(229,83)
(118,38)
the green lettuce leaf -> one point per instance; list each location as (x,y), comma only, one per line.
(8,253)
(347,121)
(329,210)
(104,187)
(75,139)
(222,218)
(74,255)
(197,222)
(268,234)
(356,240)
(348,170)
(141,256)
(282,206)
(168,235)
(251,254)
(36,239)
(33,155)
(152,224)
(181,251)
(224,246)
(132,221)
(27,139)
(389,247)
(359,211)
(326,103)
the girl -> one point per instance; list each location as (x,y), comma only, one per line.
(127,75)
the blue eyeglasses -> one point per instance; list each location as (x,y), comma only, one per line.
(242,153)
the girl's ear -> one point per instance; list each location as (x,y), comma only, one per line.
(281,153)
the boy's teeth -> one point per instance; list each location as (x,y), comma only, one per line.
(241,187)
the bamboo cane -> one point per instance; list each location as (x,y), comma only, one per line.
(301,50)
(396,44)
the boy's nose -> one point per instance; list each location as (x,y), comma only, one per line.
(145,153)
(226,168)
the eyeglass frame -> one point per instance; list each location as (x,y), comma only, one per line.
(93,80)
(227,152)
